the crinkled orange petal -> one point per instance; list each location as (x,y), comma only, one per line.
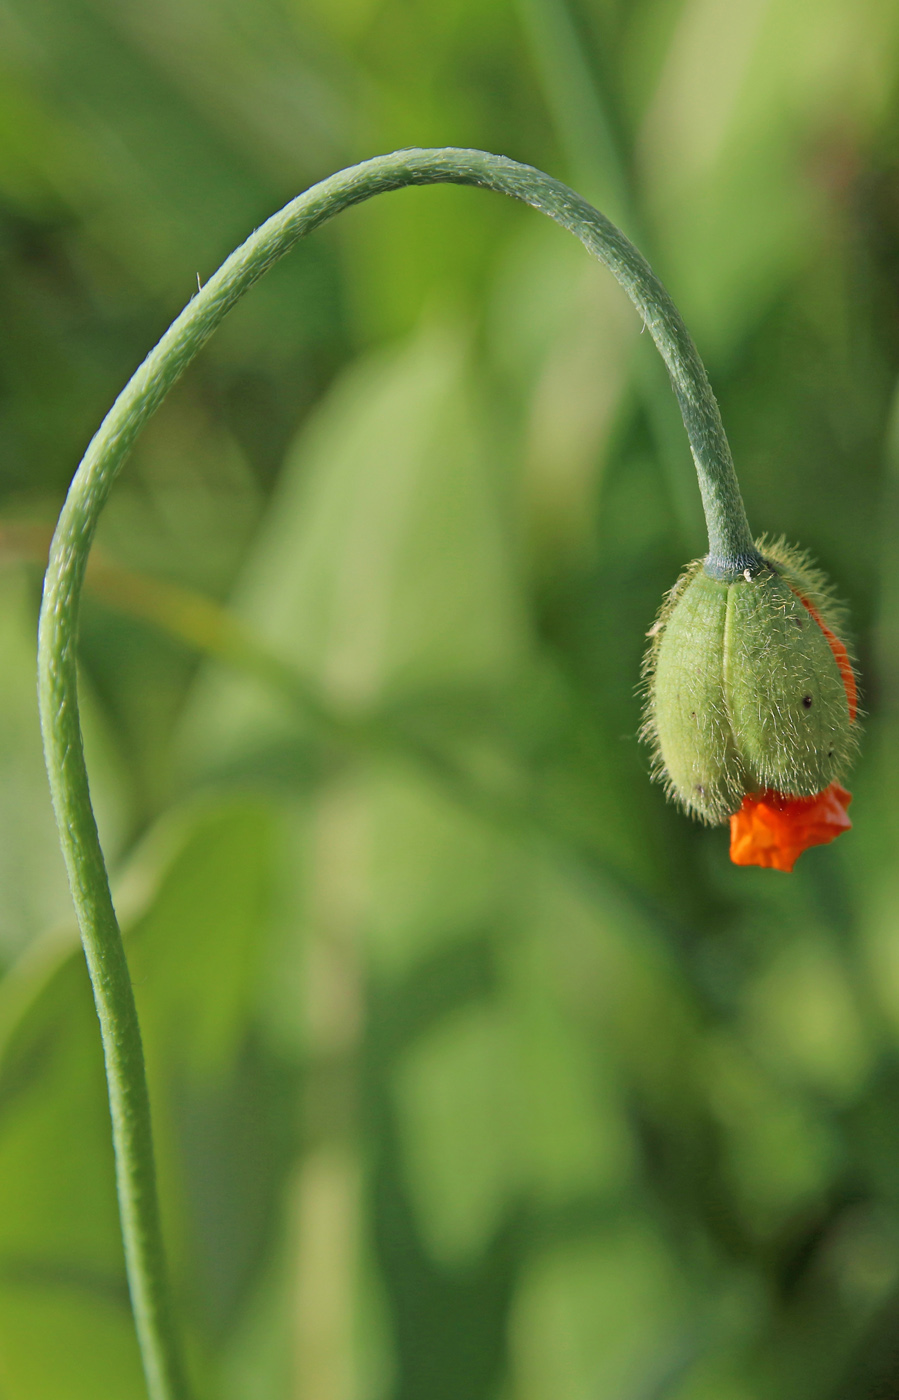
(772,830)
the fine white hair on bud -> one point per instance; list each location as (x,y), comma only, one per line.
(749,686)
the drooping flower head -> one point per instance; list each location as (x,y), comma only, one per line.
(752,703)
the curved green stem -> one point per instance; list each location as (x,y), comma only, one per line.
(730,550)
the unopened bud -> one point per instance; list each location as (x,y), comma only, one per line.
(750,690)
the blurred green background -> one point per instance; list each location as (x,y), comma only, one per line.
(478,1072)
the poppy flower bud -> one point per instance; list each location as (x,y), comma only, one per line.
(751,692)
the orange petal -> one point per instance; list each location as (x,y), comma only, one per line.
(773,830)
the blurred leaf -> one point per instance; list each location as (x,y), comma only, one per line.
(33,888)
(62,1266)
(504,1103)
(727,155)
(65,1322)
(584,1314)
(384,565)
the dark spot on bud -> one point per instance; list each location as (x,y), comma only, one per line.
(798,621)
(807,701)
(830,753)
(699,789)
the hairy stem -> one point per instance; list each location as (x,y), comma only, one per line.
(730,550)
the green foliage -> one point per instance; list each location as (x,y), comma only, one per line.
(478,1073)
(65,1321)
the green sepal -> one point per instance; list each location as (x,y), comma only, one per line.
(787,701)
(687,719)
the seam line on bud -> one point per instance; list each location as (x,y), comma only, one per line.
(726,664)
